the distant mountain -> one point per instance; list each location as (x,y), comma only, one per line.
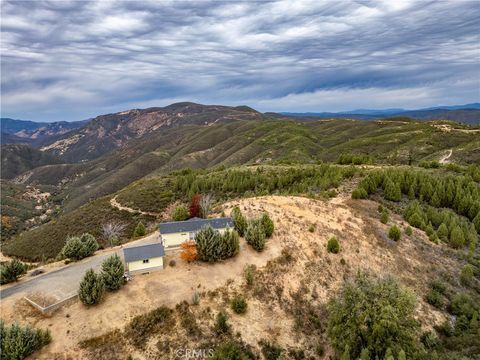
(35,133)
(467,114)
(108,132)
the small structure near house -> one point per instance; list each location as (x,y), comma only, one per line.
(144,258)
(173,234)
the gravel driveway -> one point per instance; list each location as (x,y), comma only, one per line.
(65,281)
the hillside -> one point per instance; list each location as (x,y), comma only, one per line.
(17,159)
(239,142)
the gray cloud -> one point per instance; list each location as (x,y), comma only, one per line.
(75,59)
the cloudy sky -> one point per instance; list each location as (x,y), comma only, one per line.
(71,60)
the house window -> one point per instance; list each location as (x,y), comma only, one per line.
(146,261)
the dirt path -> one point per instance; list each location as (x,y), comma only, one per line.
(444,159)
(117,205)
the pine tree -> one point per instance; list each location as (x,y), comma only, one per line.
(442,232)
(112,273)
(11,271)
(365,354)
(139,230)
(402,355)
(476,222)
(239,221)
(90,244)
(394,233)
(255,235)
(392,191)
(267,225)
(457,239)
(92,288)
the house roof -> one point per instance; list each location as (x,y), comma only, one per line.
(194,224)
(143,252)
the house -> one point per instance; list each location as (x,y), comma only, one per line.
(173,234)
(144,258)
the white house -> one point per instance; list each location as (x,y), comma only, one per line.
(144,258)
(174,233)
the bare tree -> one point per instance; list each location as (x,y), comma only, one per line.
(205,205)
(111,231)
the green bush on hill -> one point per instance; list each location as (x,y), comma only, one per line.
(92,288)
(180,213)
(267,224)
(112,273)
(255,235)
(139,230)
(214,246)
(17,342)
(239,221)
(333,246)
(79,247)
(11,270)
(394,233)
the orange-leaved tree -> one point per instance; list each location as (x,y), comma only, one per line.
(189,251)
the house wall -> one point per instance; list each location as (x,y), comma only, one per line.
(176,239)
(153,264)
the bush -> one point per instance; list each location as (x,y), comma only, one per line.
(231,351)
(394,233)
(359,193)
(270,351)
(92,288)
(239,305)
(408,231)
(255,235)
(267,225)
(180,213)
(239,221)
(77,248)
(189,251)
(384,217)
(139,230)
(457,239)
(466,276)
(373,313)
(214,246)
(333,246)
(11,271)
(196,298)
(311,228)
(249,274)
(434,298)
(141,327)
(221,323)
(112,273)
(392,191)
(18,342)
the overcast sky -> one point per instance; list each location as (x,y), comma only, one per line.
(71,60)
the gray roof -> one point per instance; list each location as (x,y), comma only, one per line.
(194,224)
(143,252)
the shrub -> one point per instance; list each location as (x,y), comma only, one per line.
(416,220)
(11,271)
(311,228)
(139,230)
(270,351)
(141,327)
(77,248)
(172,263)
(434,298)
(373,313)
(408,231)
(231,351)
(255,235)
(18,342)
(239,305)
(180,213)
(384,217)
(442,232)
(267,225)
(392,191)
(249,274)
(213,246)
(189,251)
(394,233)
(359,193)
(333,246)
(239,221)
(196,298)
(466,275)
(457,239)
(112,273)
(221,323)
(92,288)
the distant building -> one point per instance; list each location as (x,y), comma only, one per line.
(144,258)
(174,233)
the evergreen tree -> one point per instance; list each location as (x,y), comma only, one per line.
(112,272)
(139,230)
(442,232)
(11,271)
(466,276)
(384,216)
(402,355)
(457,239)
(394,233)
(73,248)
(92,288)
(90,244)
(255,235)
(239,221)
(365,354)
(392,191)
(476,222)
(267,225)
